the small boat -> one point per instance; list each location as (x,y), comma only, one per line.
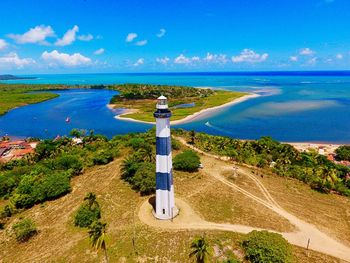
(67,119)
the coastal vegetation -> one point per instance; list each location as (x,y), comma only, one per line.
(46,175)
(282,159)
(24,229)
(201,250)
(140,98)
(183,101)
(187,161)
(88,212)
(18,95)
(130,240)
(343,153)
(266,247)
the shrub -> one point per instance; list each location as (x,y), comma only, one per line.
(187,161)
(267,247)
(24,230)
(144,179)
(102,157)
(86,215)
(7,211)
(69,162)
(343,152)
(35,188)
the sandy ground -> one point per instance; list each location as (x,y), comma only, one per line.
(192,117)
(188,219)
(322,148)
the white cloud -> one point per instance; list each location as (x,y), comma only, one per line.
(195,59)
(293,58)
(139,62)
(221,58)
(12,60)
(99,51)
(37,34)
(130,37)
(181,59)
(163,61)
(56,58)
(339,56)
(141,43)
(306,52)
(312,61)
(3,44)
(161,33)
(248,55)
(68,38)
(87,37)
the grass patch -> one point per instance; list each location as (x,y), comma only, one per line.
(18,95)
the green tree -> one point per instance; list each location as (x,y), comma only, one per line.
(144,179)
(97,234)
(192,137)
(201,249)
(187,161)
(267,247)
(343,152)
(88,212)
(91,200)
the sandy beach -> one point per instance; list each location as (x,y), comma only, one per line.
(192,117)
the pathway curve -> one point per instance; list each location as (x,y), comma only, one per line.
(188,219)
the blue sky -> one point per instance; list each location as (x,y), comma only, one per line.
(46,36)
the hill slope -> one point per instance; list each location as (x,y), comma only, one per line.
(59,241)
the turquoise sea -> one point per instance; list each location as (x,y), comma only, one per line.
(293,106)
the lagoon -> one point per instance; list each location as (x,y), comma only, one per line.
(295,108)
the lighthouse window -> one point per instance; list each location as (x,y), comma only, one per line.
(162,102)
(163,211)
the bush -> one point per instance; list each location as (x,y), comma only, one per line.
(69,162)
(86,215)
(24,230)
(187,161)
(267,247)
(35,188)
(144,179)
(102,157)
(6,212)
(343,153)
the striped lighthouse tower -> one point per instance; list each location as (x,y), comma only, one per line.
(165,205)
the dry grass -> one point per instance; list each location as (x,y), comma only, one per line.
(329,212)
(59,241)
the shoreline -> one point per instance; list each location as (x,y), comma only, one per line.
(191,117)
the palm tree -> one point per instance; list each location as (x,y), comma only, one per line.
(200,249)
(97,234)
(91,200)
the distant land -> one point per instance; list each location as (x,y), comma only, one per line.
(12,77)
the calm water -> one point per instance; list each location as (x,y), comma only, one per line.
(290,108)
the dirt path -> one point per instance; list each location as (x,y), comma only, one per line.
(188,219)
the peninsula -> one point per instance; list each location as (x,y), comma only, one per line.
(186,103)
(12,77)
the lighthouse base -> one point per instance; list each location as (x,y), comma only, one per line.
(174,213)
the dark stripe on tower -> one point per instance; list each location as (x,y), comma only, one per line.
(164,181)
(163,145)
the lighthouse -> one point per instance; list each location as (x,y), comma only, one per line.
(165,205)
